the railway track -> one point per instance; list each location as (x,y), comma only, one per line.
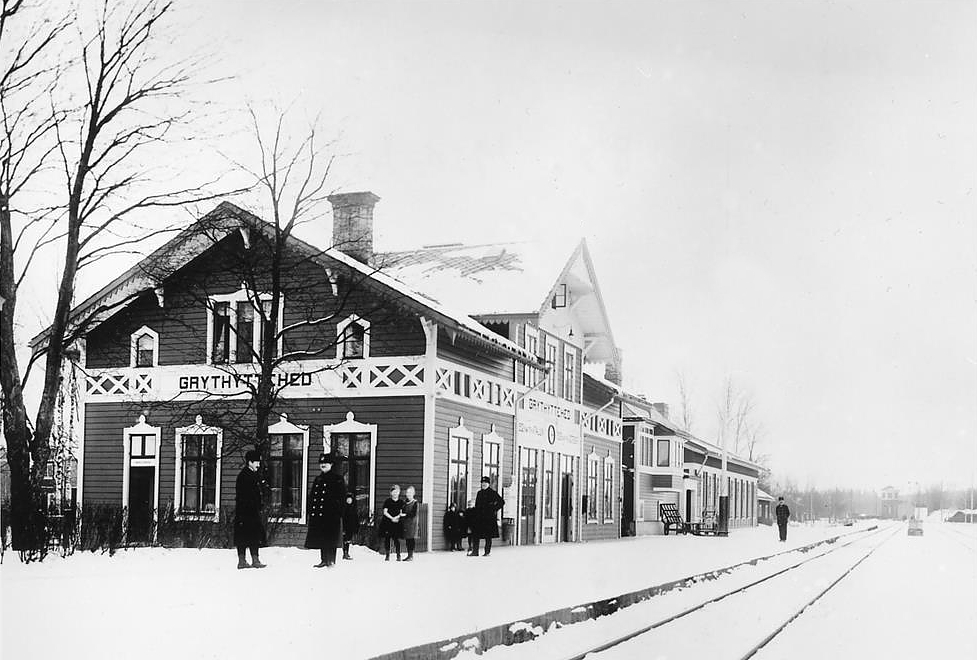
(958,536)
(605,648)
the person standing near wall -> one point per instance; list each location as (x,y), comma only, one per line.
(351,523)
(326,502)
(487,504)
(783,514)
(249,530)
(410,522)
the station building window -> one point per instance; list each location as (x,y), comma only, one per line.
(608,486)
(569,374)
(238,325)
(459,464)
(492,457)
(551,354)
(593,465)
(144,348)
(198,470)
(356,442)
(353,338)
(663,453)
(287,459)
(532,346)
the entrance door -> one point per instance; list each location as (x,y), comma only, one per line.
(141,483)
(688,505)
(527,508)
(567,496)
(627,511)
(550,504)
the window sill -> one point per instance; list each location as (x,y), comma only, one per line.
(592,521)
(196,517)
(608,521)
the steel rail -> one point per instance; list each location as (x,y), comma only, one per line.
(766,640)
(657,624)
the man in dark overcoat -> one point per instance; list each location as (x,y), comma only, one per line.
(783,514)
(487,504)
(249,529)
(327,499)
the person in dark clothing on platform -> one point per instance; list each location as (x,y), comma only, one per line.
(391,523)
(468,524)
(487,504)
(410,522)
(783,514)
(351,523)
(249,530)
(326,501)
(454,527)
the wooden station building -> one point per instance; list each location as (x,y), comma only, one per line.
(430,367)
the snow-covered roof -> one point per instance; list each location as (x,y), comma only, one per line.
(491,278)
(763,495)
(192,242)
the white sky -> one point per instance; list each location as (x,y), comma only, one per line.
(780,191)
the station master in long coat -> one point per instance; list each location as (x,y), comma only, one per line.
(783,514)
(249,530)
(327,499)
(487,503)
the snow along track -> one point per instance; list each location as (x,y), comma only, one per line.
(963,538)
(690,641)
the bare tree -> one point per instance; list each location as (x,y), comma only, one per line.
(685,401)
(88,107)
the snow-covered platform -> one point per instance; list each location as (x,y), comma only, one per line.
(195,603)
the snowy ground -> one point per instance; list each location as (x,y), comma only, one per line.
(195,603)
(915,597)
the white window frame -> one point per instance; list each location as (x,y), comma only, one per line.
(609,461)
(569,353)
(145,330)
(551,345)
(593,459)
(350,425)
(140,428)
(285,427)
(197,428)
(528,370)
(460,432)
(341,329)
(493,438)
(241,295)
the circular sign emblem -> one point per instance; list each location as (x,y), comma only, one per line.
(551,434)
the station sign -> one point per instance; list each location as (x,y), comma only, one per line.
(545,422)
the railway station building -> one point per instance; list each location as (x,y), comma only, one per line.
(430,367)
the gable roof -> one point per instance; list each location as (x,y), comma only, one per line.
(512,279)
(227,218)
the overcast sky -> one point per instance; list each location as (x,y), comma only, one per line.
(779,191)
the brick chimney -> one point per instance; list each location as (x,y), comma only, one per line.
(612,369)
(352,224)
(662,409)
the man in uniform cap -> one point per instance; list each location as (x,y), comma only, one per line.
(249,529)
(326,502)
(487,503)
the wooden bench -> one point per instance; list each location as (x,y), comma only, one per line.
(671,519)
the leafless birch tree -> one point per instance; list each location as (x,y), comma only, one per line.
(87,102)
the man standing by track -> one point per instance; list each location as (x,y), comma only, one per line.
(783,514)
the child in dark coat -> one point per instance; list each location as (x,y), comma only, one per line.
(410,521)
(391,525)
(351,523)
(454,527)
(470,518)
